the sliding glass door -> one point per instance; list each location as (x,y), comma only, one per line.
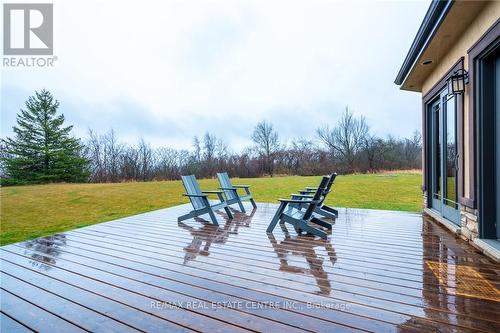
(488,114)
(443,156)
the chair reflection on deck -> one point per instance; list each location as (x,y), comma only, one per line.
(208,234)
(44,250)
(294,246)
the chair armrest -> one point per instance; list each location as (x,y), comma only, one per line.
(211,192)
(228,188)
(302,195)
(195,195)
(296,201)
(242,186)
(307,192)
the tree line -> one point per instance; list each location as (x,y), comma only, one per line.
(43,150)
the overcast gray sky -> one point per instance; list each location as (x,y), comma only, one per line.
(169,70)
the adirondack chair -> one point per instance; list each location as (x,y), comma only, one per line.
(231,191)
(322,209)
(199,200)
(300,218)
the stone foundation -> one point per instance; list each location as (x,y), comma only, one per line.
(468,223)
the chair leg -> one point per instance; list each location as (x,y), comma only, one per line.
(242,208)
(276,217)
(228,212)
(253,203)
(330,210)
(247,191)
(185,217)
(325,214)
(212,217)
(285,230)
(321,223)
(226,208)
(310,230)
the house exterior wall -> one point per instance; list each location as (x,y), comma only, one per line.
(483,21)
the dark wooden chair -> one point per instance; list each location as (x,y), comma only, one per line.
(302,217)
(231,191)
(321,209)
(199,201)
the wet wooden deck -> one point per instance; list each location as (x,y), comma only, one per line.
(379,271)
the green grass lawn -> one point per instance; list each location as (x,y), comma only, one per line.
(32,211)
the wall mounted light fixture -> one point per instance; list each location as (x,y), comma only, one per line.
(457,82)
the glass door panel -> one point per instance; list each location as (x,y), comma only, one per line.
(451,163)
(443,159)
(436,153)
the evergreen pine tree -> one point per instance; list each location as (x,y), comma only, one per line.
(42,149)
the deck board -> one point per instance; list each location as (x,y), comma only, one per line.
(7,324)
(31,315)
(87,318)
(378,271)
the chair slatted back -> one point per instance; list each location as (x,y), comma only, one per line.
(318,197)
(328,187)
(191,185)
(226,182)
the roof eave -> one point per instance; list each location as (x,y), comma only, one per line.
(433,18)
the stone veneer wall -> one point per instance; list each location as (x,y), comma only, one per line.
(468,223)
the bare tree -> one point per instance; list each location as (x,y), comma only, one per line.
(112,151)
(221,149)
(209,147)
(94,155)
(145,160)
(413,150)
(266,139)
(115,161)
(197,149)
(129,164)
(347,138)
(167,163)
(209,154)
(375,150)
(184,162)
(307,158)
